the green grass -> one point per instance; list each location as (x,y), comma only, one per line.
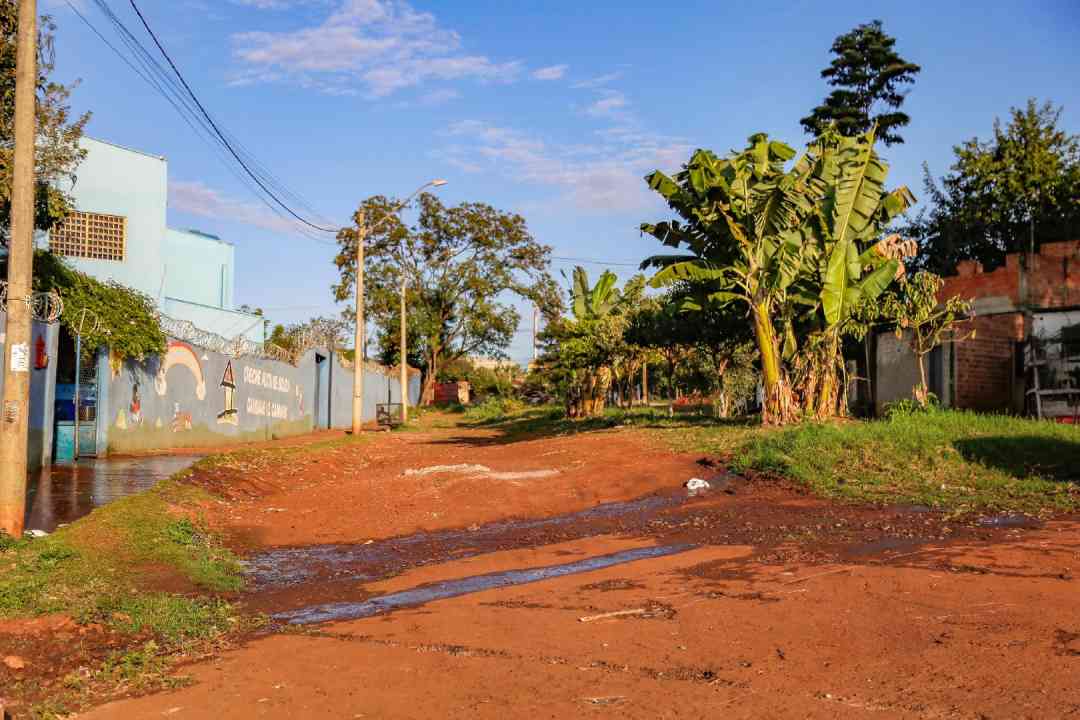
(957,461)
(960,462)
(107,555)
(102,568)
(147,567)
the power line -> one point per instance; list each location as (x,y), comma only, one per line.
(217,130)
(159,79)
(593,261)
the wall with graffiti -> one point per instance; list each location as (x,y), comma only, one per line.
(191,397)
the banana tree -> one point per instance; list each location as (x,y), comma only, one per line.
(854,266)
(588,342)
(792,245)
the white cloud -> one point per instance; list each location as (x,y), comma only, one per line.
(599,81)
(198,199)
(603,176)
(381,45)
(608,106)
(277,4)
(552,72)
(438,97)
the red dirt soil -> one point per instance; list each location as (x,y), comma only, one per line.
(789,606)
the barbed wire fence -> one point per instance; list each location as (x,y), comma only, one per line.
(44,307)
(48,307)
(320,335)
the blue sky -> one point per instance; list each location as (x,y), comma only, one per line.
(552,109)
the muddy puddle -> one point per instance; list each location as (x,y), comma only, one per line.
(327,612)
(285,567)
(64,493)
(1010,521)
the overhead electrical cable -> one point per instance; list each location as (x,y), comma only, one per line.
(267,188)
(154,74)
(217,130)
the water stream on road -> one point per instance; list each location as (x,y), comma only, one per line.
(63,493)
(286,567)
(463,586)
(322,577)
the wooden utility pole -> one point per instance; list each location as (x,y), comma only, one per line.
(536,322)
(14,416)
(402,360)
(358,341)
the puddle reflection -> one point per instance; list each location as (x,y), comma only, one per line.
(64,493)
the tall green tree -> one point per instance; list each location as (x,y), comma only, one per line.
(797,247)
(710,343)
(57,153)
(461,265)
(1005,195)
(583,349)
(868,76)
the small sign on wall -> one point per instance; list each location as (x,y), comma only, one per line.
(20,357)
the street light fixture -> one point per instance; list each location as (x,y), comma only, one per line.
(362,231)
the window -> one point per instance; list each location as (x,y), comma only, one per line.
(1070,341)
(90,235)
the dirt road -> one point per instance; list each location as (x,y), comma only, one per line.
(453,574)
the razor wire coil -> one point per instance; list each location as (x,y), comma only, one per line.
(46,307)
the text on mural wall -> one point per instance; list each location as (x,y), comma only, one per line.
(265,408)
(255,376)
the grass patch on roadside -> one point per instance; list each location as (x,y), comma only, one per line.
(524,422)
(116,553)
(952,460)
(956,461)
(145,568)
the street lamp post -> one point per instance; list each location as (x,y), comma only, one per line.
(362,231)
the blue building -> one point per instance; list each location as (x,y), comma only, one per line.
(118,232)
(201,392)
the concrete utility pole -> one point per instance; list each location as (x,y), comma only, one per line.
(362,231)
(536,321)
(15,413)
(645,383)
(358,341)
(404,348)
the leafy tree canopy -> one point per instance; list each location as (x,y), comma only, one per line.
(57,148)
(460,265)
(1018,189)
(584,351)
(117,316)
(795,247)
(868,75)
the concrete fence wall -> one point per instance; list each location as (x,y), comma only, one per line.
(42,388)
(191,397)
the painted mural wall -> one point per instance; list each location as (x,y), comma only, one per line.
(191,397)
(44,342)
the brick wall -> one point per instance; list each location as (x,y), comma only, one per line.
(1052,279)
(985,374)
(1055,276)
(452,392)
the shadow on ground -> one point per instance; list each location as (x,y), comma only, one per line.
(540,423)
(1025,456)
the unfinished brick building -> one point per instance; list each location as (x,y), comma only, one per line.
(1027,337)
